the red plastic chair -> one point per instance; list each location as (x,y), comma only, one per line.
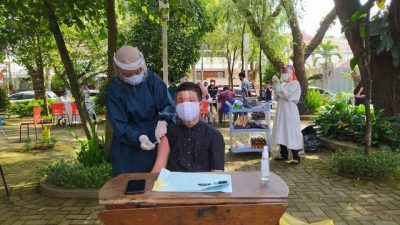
(75,112)
(37,119)
(57,110)
(204,110)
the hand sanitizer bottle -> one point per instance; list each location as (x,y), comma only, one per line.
(265,164)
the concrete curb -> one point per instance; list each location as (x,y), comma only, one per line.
(334,145)
(308,117)
(302,117)
(79,193)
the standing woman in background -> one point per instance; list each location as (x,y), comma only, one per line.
(286,131)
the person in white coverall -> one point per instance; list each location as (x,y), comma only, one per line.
(286,130)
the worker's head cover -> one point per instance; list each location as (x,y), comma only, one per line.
(129,58)
(289,69)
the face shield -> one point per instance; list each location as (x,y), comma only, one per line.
(130,65)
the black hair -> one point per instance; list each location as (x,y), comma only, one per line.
(225,88)
(242,74)
(189,86)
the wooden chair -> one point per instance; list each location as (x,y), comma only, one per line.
(75,112)
(57,111)
(4,182)
(204,110)
(37,119)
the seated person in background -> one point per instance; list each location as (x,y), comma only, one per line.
(266,94)
(225,95)
(192,145)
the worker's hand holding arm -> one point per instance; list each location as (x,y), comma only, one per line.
(161,129)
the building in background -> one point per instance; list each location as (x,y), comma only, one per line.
(331,73)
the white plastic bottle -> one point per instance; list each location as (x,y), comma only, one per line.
(265,164)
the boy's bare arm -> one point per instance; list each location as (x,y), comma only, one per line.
(162,155)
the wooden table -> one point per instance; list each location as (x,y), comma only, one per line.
(251,202)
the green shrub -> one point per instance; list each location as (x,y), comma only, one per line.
(71,174)
(4,100)
(58,85)
(385,132)
(345,96)
(377,164)
(25,109)
(314,100)
(38,145)
(100,100)
(337,119)
(91,151)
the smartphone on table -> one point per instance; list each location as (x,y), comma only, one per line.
(135,186)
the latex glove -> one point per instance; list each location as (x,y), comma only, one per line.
(161,130)
(275,79)
(145,143)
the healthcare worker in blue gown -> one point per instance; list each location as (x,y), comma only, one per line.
(139,107)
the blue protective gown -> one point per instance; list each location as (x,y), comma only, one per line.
(134,110)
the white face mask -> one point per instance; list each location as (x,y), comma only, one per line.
(135,79)
(188,111)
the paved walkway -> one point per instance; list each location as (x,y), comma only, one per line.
(316,192)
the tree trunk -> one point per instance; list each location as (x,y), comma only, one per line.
(38,81)
(368,84)
(230,72)
(231,69)
(299,53)
(298,48)
(386,84)
(70,70)
(385,77)
(242,50)
(112,47)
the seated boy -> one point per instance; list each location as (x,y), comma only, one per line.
(192,145)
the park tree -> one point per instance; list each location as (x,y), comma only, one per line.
(226,38)
(322,57)
(258,20)
(85,15)
(375,45)
(385,49)
(23,32)
(184,38)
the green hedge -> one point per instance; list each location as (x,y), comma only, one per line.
(100,100)
(376,164)
(72,174)
(337,119)
(25,109)
(314,100)
(4,100)
(40,144)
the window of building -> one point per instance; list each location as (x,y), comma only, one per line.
(221,74)
(198,75)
